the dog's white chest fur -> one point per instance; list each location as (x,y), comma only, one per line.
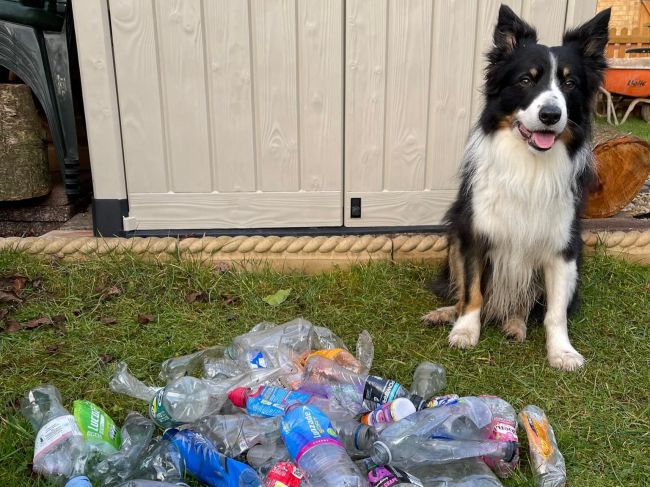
(522,201)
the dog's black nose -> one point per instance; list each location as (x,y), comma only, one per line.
(550,114)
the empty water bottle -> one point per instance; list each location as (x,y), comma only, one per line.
(233,434)
(314,445)
(504,428)
(183,400)
(161,462)
(264,456)
(59,445)
(207,465)
(191,364)
(545,458)
(357,438)
(428,379)
(340,356)
(267,401)
(148,483)
(365,350)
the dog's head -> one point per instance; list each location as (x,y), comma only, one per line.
(543,93)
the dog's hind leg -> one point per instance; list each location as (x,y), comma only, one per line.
(560,280)
(467,329)
(441,316)
(515,328)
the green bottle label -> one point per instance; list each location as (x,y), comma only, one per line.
(96,426)
(159,413)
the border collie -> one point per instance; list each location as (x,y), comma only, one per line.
(513,231)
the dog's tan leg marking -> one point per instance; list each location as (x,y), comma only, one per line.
(560,278)
(515,328)
(467,329)
(441,316)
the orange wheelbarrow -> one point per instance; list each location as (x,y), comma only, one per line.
(627,81)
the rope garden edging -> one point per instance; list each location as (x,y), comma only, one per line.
(288,253)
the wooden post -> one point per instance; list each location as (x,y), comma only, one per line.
(24,172)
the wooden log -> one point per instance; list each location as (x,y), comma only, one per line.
(623,165)
(24,171)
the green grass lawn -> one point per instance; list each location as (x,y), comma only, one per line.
(601,414)
(633,125)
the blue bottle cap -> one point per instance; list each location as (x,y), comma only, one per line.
(81,481)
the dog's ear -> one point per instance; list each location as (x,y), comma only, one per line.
(511,31)
(590,38)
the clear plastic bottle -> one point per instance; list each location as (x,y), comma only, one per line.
(207,465)
(340,356)
(504,428)
(546,460)
(365,350)
(233,434)
(161,462)
(428,379)
(190,364)
(136,433)
(471,472)
(262,457)
(320,371)
(266,401)
(59,452)
(313,444)
(183,400)
(148,483)
(357,438)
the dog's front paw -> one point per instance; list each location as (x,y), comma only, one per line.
(515,328)
(463,337)
(566,359)
(440,316)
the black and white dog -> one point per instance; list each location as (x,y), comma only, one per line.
(514,234)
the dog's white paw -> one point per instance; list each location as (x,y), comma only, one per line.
(440,316)
(566,359)
(462,337)
(515,328)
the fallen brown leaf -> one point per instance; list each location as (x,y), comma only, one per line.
(12,326)
(200,296)
(230,299)
(110,293)
(106,358)
(59,319)
(108,320)
(144,319)
(36,322)
(53,349)
(9,297)
(3,313)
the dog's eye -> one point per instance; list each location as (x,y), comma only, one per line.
(526,81)
(569,84)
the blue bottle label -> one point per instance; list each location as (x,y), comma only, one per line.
(272,401)
(305,427)
(380,390)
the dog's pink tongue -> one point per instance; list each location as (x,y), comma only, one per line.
(544,140)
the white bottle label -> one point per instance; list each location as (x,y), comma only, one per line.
(54,433)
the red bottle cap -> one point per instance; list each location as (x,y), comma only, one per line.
(239,396)
(283,474)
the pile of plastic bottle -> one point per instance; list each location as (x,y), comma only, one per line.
(286,406)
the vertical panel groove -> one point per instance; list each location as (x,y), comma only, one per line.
(427,128)
(163,109)
(384,165)
(475,59)
(211,154)
(253,108)
(298,125)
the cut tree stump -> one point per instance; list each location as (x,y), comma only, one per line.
(622,166)
(24,171)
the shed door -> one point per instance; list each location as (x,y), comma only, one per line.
(231,112)
(413,78)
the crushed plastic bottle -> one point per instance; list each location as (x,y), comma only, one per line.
(184,400)
(97,427)
(264,456)
(148,483)
(428,379)
(320,373)
(357,438)
(314,445)
(267,401)
(191,364)
(59,450)
(234,434)
(471,472)
(136,434)
(162,462)
(207,465)
(546,460)
(441,435)
(340,356)
(504,428)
